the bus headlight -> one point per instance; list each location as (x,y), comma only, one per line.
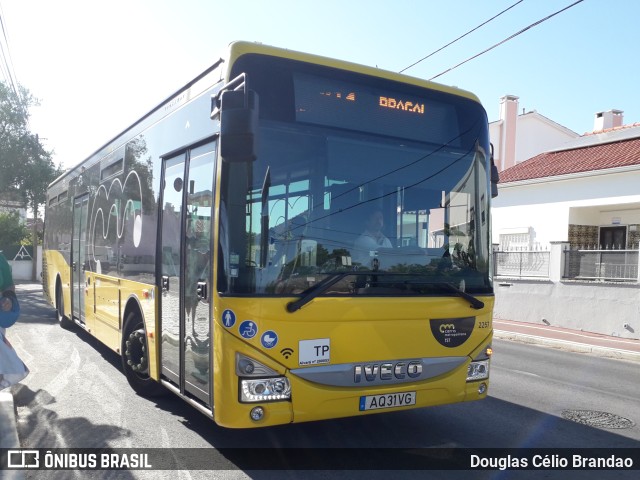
(260,383)
(478,370)
(264,389)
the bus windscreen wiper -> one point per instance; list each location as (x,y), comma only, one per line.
(475,303)
(321,287)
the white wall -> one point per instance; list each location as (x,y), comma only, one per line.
(536,135)
(21,269)
(495,129)
(599,308)
(585,215)
(625,216)
(550,207)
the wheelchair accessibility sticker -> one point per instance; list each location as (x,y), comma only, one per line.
(248,329)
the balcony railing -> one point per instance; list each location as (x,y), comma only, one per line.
(601,265)
(522,263)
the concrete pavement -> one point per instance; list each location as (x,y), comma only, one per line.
(9,433)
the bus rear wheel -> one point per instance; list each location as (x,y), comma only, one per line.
(135,358)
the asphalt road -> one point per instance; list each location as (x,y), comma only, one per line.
(76,396)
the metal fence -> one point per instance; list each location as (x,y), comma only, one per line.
(597,264)
(525,263)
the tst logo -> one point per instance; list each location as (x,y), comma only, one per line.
(452,332)
(447,327)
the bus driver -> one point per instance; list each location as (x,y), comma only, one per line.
(371,239)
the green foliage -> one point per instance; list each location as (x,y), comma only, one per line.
(26,167)
(12,232)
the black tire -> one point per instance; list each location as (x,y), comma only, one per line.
(135,358)
(63,321)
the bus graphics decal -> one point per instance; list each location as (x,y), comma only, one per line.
(110,203)
(452,332)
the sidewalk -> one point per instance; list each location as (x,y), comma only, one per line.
(570,340)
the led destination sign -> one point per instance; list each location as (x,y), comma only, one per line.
(335,103)
(385,102)
(405,106)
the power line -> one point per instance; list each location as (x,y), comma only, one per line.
(507,39)
(3,64)
(460,37)
(7,63)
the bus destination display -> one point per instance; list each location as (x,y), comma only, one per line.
(336,103)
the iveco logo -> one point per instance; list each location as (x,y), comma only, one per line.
(387,371)
(447,327)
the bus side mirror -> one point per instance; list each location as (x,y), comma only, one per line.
(238,125)
(495,176)
(495,179)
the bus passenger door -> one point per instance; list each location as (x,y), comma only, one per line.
(185,273)
(78,255)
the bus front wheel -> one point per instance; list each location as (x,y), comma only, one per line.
(63,321)
(135,358)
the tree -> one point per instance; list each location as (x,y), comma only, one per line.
(13,133)
(27,168)
(12,231)
(33,186)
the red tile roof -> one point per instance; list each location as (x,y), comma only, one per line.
(584,159)
(612,129)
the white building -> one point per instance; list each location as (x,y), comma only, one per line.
(518,137)
(8,206)
(586,193)
(578,208)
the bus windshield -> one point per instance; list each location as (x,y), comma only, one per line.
(329,194)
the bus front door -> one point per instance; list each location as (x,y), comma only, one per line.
(185,274)
(78,255)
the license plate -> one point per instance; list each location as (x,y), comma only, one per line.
(388,400)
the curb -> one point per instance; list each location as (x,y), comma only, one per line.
(607,352)
(8,429)
(9,433)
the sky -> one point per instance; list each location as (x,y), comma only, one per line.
(96,67)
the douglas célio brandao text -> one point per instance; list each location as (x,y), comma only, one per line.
(550,461)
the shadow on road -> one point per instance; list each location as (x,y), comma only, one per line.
(403,441)
(34,308)
(43,427)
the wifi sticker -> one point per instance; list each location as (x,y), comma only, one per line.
(286,352)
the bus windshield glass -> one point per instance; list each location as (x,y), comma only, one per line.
(385,180)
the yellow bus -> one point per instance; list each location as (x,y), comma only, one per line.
(287,238)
